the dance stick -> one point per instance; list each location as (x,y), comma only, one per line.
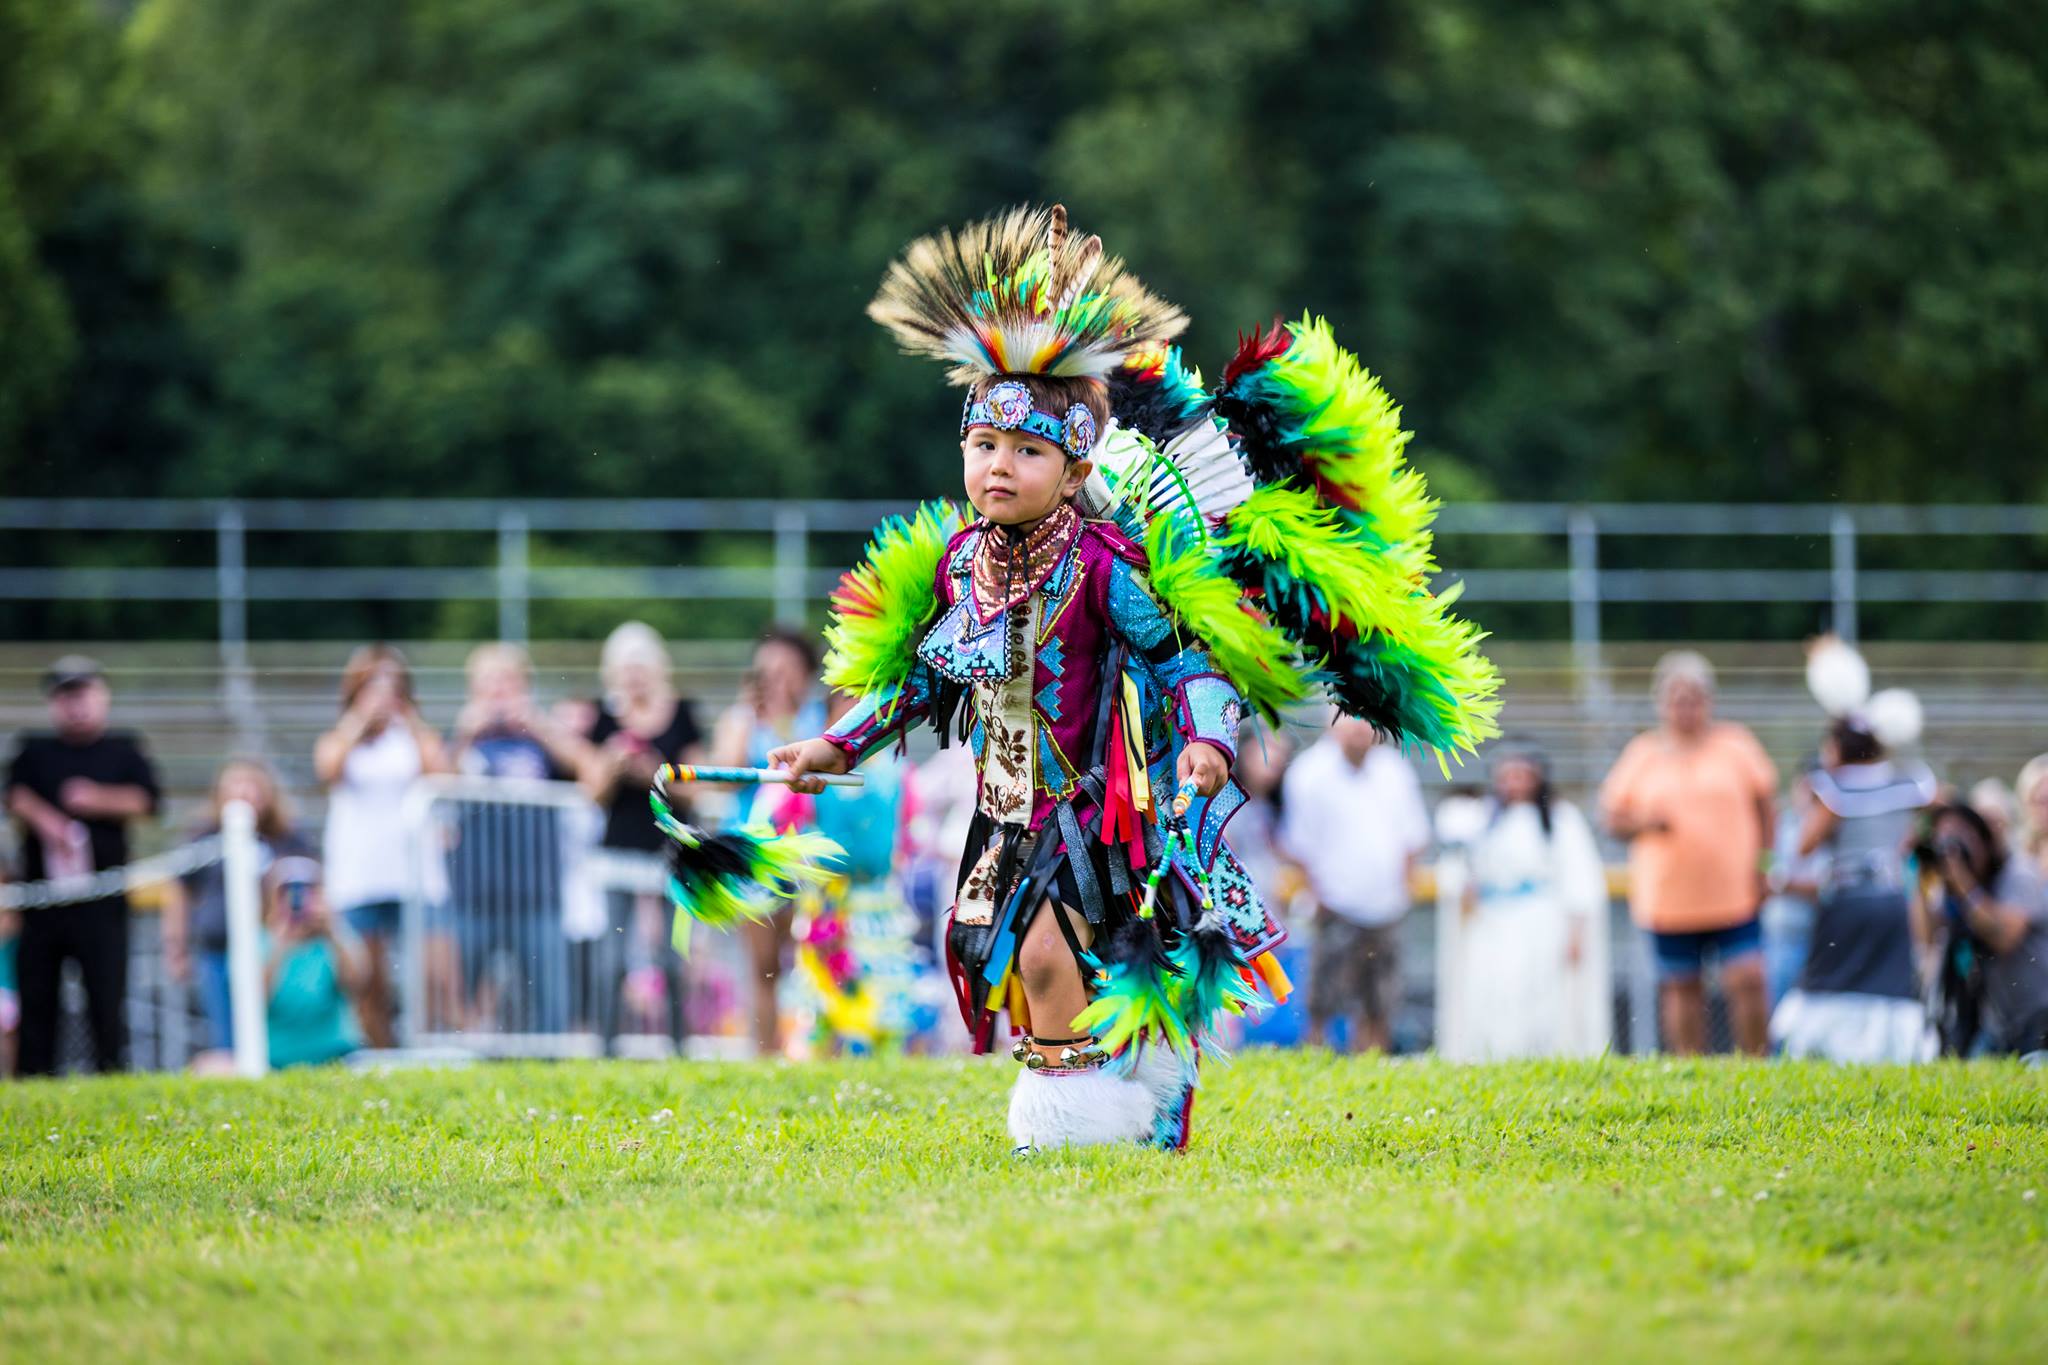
(1177,834)
(684,772)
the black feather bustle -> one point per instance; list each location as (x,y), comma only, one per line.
(1140,403)
(1269,457)
(1357,681)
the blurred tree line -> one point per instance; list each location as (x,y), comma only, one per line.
(1717,249)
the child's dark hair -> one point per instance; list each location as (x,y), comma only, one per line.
(1055,393)
(1854,742)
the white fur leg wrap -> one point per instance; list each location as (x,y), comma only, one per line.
(1165,1078)
(1137,1098)
(1079,1109)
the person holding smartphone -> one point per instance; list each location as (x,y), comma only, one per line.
(313,970)
(779,702)
(74,792)
(374,753)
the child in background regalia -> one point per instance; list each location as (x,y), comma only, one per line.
(853,931)
(1140,564)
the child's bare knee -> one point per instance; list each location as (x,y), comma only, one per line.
(1045,963)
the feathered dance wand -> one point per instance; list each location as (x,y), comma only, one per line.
(713,878)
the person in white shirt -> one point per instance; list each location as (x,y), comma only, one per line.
(1354,821)
(367,762)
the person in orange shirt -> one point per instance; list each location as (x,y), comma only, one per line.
(1694,799)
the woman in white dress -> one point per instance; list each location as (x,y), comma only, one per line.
(1525,954)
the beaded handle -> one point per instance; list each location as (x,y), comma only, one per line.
(1179,838)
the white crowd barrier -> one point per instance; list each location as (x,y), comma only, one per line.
(524,937)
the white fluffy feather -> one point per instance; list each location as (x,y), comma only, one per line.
(1214,474)
(1837,676)
(1896,717)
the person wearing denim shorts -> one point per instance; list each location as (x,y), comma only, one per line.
(1694,798)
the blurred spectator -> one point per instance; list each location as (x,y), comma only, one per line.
(1531,941)
(938,809)
(1262,758)
(367,762)
(73,793)
(1858,997)
(10,996)
(195,925)
(853,955)
(1989,912)
(778,703)
(505,868)
(1354,822)
(1694,799)
(641,724)
(2030,794)
(1794,881)
(2000,808)
(313,972)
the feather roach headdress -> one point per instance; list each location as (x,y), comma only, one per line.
(1019,294)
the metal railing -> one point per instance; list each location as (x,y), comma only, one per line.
(787,577)
(1542,554)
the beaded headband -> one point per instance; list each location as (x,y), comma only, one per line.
(1008,407)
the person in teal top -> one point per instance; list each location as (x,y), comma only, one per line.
(312,971)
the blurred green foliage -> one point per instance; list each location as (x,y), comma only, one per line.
(1718,249)
(1781,249)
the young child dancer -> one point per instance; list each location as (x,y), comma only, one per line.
(1145,558)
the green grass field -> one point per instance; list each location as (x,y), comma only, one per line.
(1329,1209)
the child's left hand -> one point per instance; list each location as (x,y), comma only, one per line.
(1205,766)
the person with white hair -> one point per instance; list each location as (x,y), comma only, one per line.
(2030,795)
(1695,800)
(641,724)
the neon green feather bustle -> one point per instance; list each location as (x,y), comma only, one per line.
(1349,434)
(1336,546)
(1260,661)
(883,604)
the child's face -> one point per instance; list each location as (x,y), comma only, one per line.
(1015,478)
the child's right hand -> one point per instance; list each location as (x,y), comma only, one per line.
(809,756)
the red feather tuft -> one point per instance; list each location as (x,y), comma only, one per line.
(854,596)
(1337,494)
(1260,348)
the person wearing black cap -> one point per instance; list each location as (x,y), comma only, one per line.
(72,794)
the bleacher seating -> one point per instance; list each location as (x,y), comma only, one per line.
(1987,704)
